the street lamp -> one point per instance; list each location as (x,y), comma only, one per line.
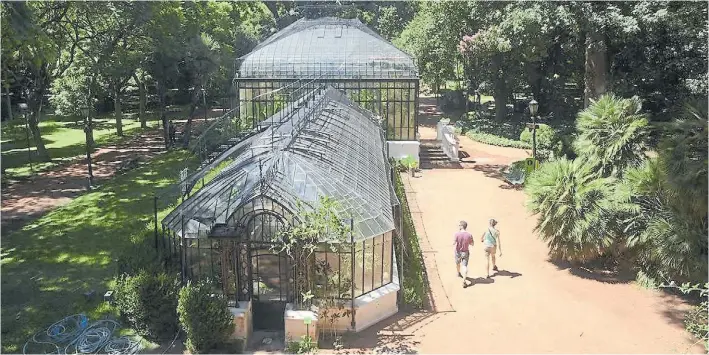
(533,106)
(87,130)
(204,101)
(23,108)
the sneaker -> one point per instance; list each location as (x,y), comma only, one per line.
(494,268)
(459,275)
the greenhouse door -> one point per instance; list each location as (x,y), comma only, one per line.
(270,279)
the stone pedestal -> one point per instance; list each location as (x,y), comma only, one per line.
(243,321)
(295,324)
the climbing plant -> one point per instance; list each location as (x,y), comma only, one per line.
(316,283)
(317,228)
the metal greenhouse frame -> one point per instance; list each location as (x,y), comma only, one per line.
(342,53)
(322,144)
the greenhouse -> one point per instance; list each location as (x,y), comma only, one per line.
(321,145)
(342,53)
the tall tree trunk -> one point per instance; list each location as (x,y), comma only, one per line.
(35,112)
(8,102)
(501,96)
(186,132)
(118,110)
(596,67)
(141,101)
(163,117)
(141,105)
(33,123)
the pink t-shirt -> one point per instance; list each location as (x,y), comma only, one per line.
(462,241)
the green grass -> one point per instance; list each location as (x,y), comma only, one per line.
(49,264)
(415,283)
(64,139)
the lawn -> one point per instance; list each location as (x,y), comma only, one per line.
(64,140)
(48,265)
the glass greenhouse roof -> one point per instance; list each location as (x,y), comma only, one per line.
(324,146)
(327,47)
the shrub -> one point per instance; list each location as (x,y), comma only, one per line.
(148,301)
(306,345)
(204,316)
(667,231)
(409,163)
(452,100)
(575,208)
(492,139)
(546,139)
(696,321)
(415,283)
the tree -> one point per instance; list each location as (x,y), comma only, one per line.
(106,35)
(165,43)
(517,34)
(431,37)
(668,230)
(614,132)
(665,62)
(38,46)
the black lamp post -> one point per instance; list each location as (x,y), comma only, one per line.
(204,101)
(533,106)
(23,108)
(87,130)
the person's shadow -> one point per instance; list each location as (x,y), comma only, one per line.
(511,274)
(490,280)
(478,281)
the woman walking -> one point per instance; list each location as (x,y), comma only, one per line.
(491,243)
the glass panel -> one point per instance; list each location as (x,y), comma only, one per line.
(223,253)
(359,265)
(322,272)
(377,264)
(412,121)
(345,272)
(269,275)
(368,272)
(387,258)
(334,285)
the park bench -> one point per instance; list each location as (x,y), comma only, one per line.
(515,176)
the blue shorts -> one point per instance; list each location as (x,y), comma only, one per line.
(461,257)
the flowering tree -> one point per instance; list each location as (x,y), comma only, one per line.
(503,53)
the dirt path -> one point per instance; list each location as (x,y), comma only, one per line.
(531,305)
(27,200)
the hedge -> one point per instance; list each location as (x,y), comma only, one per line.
(415,284)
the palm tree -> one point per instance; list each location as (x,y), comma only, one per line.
(668,230)
(574,207)
(613,131)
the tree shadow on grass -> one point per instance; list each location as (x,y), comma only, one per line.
(50,263)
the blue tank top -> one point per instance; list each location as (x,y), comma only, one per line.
(491,238)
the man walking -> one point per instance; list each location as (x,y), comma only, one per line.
(462,241)
(491,243)
(172,131)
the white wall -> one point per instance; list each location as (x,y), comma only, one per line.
(400,149)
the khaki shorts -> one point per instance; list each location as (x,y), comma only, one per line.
(490,250)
